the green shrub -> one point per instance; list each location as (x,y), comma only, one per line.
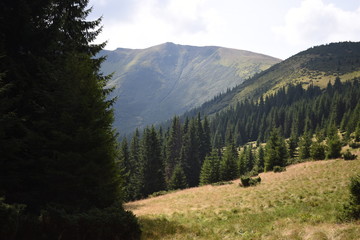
(352,208)
(317,151)
(349,156)
(354,145)
(248,181)
(279,169)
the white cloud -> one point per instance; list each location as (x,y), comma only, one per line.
(158,21)
(315,22)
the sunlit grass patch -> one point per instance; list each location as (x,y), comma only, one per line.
(301,203)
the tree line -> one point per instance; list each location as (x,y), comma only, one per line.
(295,123)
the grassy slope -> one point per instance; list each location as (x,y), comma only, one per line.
(301,203)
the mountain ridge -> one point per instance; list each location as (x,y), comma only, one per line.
(155,83)
(317,65)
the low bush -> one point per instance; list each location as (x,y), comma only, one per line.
(277,169)
(247,181)
(351,210)
(349,156)
(354,145)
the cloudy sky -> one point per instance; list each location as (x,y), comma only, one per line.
(279,28)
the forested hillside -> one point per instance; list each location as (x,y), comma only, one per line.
(316,66)
(181,156)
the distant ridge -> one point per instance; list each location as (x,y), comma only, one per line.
(317,65)
(155,83)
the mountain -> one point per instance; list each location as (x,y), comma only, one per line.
(317,66)
(156,83)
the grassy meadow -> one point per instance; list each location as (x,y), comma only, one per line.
(303,202)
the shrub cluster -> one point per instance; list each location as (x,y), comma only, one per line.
(247,181)
(279,169)
(349,156)
(354,145)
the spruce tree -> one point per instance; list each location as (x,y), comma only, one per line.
(58,148)
(249,158)
(334,144)
(304,146)
(317,150)
(178,179)
(173,147)
(210,170)
(134,187)
(190,155)
(57,118)
(293,144)
(228,166)
(275,151)
(125,169)
(151,163)
(260,158)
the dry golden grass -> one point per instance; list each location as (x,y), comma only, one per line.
(301,203)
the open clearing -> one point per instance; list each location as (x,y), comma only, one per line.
(303,202)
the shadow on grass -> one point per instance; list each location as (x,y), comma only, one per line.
(158,228)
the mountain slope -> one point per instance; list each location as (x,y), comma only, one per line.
(155,83)
(301,203)
(317,66)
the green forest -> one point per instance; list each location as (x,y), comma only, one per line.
(297,124)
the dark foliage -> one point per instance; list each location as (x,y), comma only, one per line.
(278,169)
(248,181)
(349,156)
(352,208)
(53,223)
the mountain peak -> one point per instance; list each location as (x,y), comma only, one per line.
(155,83)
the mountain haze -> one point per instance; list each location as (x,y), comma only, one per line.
(156,83)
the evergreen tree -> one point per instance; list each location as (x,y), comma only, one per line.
(317,150)
(260,157)
(190,155)
(275,151)
(228,166)
(152,169)
(173,148)
(207,137)
(57,141)
(125,169)
(241,163)
(334,145)
(249,158)
(178,179)
(58,148)
(293,144)
(304,146)
(210,170)
(134,187)
(357,133)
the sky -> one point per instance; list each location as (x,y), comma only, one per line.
(279,28)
